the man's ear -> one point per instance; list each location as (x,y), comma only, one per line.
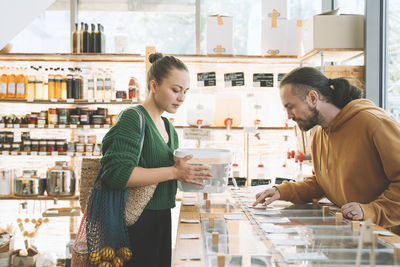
(313,97)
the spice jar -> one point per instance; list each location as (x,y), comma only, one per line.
(71,147)
(89,148)
(91,139)
(62,116)
(74,119)
(25,136)
(34,145)
(61,146)
(81,139)
(51,146)
(84,117)
(16,147)
(43,146)
(52,116)
(80,148)
(27,145)
(114,119)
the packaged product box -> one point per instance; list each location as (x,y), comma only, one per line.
(5,258)
(281,6)
(281,37)
(333,31)
(219,35)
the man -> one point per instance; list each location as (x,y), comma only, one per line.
(356,151)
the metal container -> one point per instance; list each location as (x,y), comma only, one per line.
(28,184)
(61,180)
(6,178)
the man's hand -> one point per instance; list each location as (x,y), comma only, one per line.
(272,193)
(352,211)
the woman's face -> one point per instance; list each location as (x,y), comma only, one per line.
(170,94)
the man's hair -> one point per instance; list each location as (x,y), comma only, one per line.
(338,92)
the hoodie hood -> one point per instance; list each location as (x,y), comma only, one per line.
(351,110)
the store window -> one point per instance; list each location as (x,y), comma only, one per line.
(130,26)
(350,7)
(49,32)
(393,60)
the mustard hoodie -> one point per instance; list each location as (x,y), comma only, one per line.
(356,159)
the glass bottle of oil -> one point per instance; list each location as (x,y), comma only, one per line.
(58,84)
(63,85)
(11,88)
(92,44)
(52,84)
(81,37)
(3,82)
(30,90)
(75,40)
(86,42)
(20,84)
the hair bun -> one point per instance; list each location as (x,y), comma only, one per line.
(154,57)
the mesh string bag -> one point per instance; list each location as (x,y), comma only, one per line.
(104,221)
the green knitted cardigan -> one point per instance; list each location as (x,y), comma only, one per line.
(121,149)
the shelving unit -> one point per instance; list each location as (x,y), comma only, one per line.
(49,154)
(13,197)
(71,101)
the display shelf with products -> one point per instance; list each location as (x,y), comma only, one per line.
(14,197)
(72,101)
(50,154)
(331,55)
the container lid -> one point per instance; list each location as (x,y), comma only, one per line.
(205,155)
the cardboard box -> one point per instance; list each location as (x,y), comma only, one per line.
(5,259)
(281,6)
(282,39)
(332,31)
(219,35)
(25,261)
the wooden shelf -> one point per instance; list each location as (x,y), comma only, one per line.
(13,197)
(48,154)
(54,126)
(331,55)
(70,102)
(232,128)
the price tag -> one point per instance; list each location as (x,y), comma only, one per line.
(50,126)
(10,125)
(99,100)
(54,100)
(119,100)
(61,126)
(42,153)
(2,125)
(40,126)
(197,134)
(86,126)
(78,154)
(16,126)
(206,79)
(249,129)
(14,153)
(234,79)
(31,126)
(97,126)
(54,153)
(23,153)
(90,100)
(107,100)
(96,153)
(106,126)
(70,154)
(33,153)
(89,154)
(5,153)
(263,80)
(70,100)
(73,126)
(30,100)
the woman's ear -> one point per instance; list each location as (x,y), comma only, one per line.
(153,86)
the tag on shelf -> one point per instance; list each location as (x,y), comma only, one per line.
(70,100)
(54,153)
(197,134)
(97,126)
(107,100)
(70,154)
(96,153)
(5,153)
(73,126)
(119,100)
(50,126)
(99,100)
(54,100)
(90,100)
(263,80)
(23,153)
(33,153)
(31,126)
(106,126)
(89,154)
(14,153)
(29,100)
(10,125)
(61,126)
(40,125)
(86,126)
(42,153)
(17,126)
(78,154)
(234,79)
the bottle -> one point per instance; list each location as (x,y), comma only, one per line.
(52,85)
(107,86)
(20,84)
(69,84)
(44,82)
(11,83)
(58,84)
(81,82)
(63,85)
(76,84)
(98,39)
(92,47)
(86,39)
(75,40)
(132,89)
(90,87)
(3,83)
(30,90)
(99,86)
(81,38)
(103,40)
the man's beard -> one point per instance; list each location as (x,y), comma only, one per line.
(313,119)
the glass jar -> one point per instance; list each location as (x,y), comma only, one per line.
(51,146)
(16,147)
(91,139)
(2,137)
(80,148)
(89,148)
(33,118)
(74,119)
(25,136)
(41,120)
(98,119)
(84,117)
(35,145)
(9,137)
(27,145)
(43,146)
(52,116)
(71,147)
(6,147)
(62,116)
(61,146)
(81,139)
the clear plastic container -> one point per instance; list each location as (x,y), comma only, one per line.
(218,160)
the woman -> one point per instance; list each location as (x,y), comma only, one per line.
(168,83)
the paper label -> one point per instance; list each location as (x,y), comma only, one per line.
(42,153)
(119,100)
(234,79)
(17,126)
(10,125)
(73,126)
(86,126)
(23,153)
(31,126)
(197,134)
(97,126)
(29,100)
(14,153)
(89,154)
(190,221)
(70,154)
(5,153)
(34,153)
(11,88)
(61,126)
(206,79)
(54,153)
(263,79)
(50,126)
(106,126)
(53,100)
(20,88)
(78,154)
(70,100)
(3,88)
